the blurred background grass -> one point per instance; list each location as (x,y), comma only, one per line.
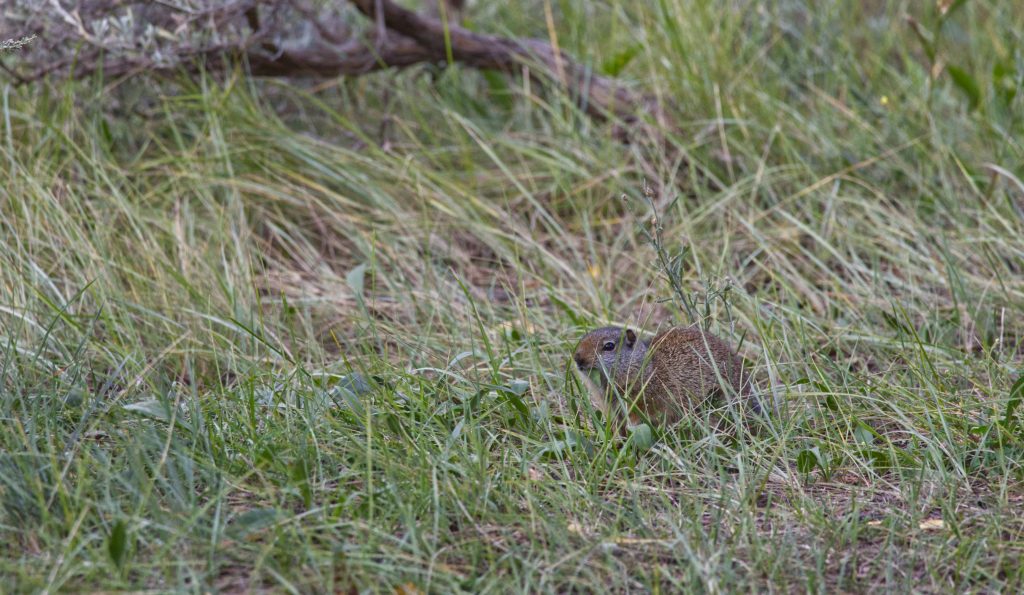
(268,335)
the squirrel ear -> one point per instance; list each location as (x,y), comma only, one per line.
(630,337)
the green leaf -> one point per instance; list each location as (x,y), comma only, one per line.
(1016,396)
(641,437)
(808,459)
(864,435)
(299,474)
(518,387)
(355,279)
(967,84)
(474,401)
(618,61)
(347,394)
(879,459)
(518,404)
(896,324)
(151,408)
(498,87)
(356,383)
(254,520)
(105,131)
(1004,81)
(558,448)
(117,543)
(831,402)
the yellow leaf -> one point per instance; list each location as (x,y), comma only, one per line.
(407,589)
(932,524)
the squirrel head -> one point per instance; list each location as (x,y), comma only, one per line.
(608,349)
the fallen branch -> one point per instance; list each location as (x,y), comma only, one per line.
(598,96)
(289,38)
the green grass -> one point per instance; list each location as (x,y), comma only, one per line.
(194,274)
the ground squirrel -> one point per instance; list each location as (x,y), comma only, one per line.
(664,377)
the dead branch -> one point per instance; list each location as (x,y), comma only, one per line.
(287,38)
(599,96)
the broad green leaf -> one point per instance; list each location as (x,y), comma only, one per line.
(967,84)
(254,520)
(808,459)
(1005,81)
(863,434)
(500,92)
(619,60)
(355,280)
(641,437)
(151,408)
(518,387)
(117,543)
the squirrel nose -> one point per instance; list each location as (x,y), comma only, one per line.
(579,360)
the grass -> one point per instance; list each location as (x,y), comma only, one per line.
(263,335)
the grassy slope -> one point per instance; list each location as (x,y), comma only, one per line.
(189,274)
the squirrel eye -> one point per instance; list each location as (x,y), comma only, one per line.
(608,346)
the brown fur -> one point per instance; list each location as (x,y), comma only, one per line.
(674,373)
